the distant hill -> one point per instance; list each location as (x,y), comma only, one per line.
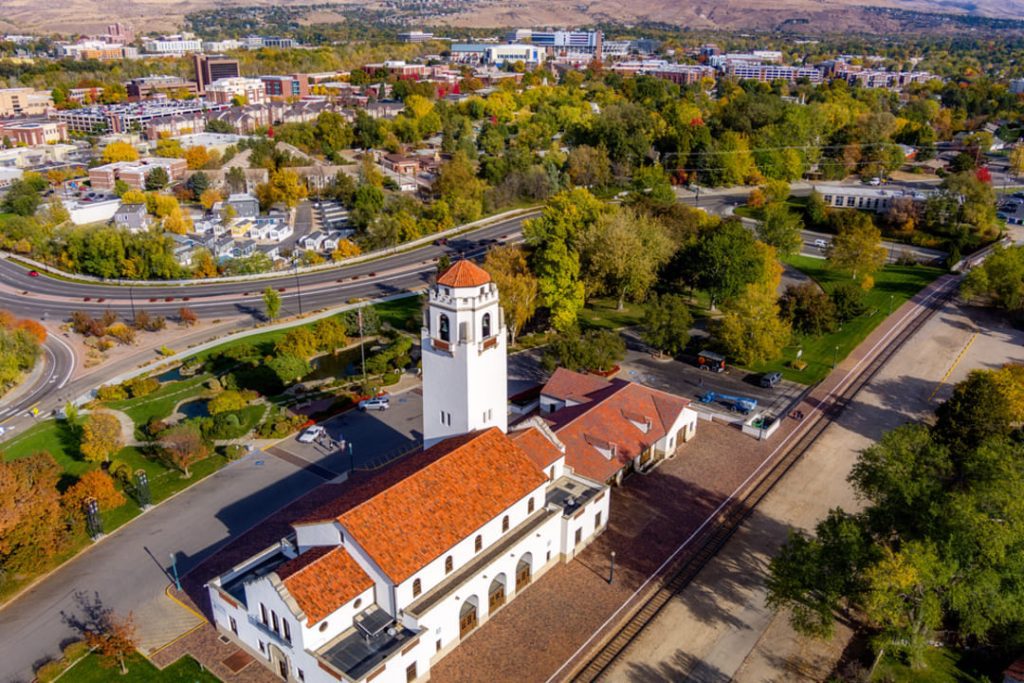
(806,16)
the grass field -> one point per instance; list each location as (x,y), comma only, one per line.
(161,402)
(604,314)
(90,670)
(894,285)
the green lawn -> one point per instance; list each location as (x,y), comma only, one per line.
(402,314)
(893,286)
(186,670)
(604,314)
(161,402)
(942,666)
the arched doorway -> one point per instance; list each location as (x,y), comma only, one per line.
(524,572)
(279,661)
(496,593)
(468,616)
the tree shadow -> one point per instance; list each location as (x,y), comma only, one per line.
(681,667)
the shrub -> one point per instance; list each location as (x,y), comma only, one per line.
(164,351)
(141,386)
(849,302)
(234,451)
(50,671)
(76,650)
(111,392)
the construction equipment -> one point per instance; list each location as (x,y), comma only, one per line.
(739,404)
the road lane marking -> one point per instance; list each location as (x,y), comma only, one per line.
(952,367)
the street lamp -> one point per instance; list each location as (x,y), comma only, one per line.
(835,355)
(174,570)
(890,303)
(131,296)
(611,573)
(142,488)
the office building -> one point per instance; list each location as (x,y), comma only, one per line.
(210,68)
(24,101)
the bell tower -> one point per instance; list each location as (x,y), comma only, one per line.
(465,364)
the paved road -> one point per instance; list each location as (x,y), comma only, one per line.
(57,364)
(129,568)
(34,296)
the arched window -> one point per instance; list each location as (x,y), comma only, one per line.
(478,544)
(529,506)
(448,564)
(504,524)
(485,325)
(417,587)
(444,328)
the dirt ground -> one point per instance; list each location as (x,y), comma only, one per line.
(719,628)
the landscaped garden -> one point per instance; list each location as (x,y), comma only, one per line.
(90,669)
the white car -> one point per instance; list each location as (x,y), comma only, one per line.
(312,434)
(378,403)
(821,244)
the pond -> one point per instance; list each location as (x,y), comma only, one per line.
(331,366)
(193,409)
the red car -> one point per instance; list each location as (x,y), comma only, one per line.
(33,273)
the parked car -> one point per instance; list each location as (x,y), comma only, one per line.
(312,434)
(770,379)
(378,403)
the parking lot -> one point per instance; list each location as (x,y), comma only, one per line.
(686,380)
(374,436)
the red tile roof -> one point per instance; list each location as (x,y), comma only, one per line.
(323,579)
(611,416)
(410,518)
(578,387)
(464,273)
(540,449)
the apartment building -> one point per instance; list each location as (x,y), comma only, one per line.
(34,132)
(226,90)
(155,86)
(292,86)
(24,101)
(134,117)
(103,178)
(771,72)
(173,45)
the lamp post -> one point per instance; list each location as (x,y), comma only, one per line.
(131,296)
(174,571)
(142,488)
(611,572)
(835,355)
(890,303)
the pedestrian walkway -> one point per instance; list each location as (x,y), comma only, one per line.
(163,620)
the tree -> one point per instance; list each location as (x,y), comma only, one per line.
(198,183)
(857,249)
(985,405)
(236,179)
(187,317)
(271,303)
(22,198)
(101,437)
(725,260)
(1017,160)
(115,639)
(197,157)
(95,484)
(808,309)
(226,402)
(183,446)
(667,323)
(517,285)
(330,335)
(289,368)
(346,249)
(157,179)
(750,329)
(554,238)
(596,350)
(780,228)
(299,342)
(817,210)
(177,222)
(31,521)
(169,148)
(209,197)
(458,186)
(622,252)
(589,166)
(119,151)
(999,279)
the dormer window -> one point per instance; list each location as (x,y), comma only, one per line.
(478,544)
(485,325)
(444,328)
(448,565)
(504,524)
(417,587)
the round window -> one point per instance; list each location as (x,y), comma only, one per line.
(357,603)
(323,627)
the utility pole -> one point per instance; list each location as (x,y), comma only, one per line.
(131,296)
(362,348)
(298,284)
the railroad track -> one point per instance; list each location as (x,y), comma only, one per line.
(732,517)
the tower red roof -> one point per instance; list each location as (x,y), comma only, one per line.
(464,274)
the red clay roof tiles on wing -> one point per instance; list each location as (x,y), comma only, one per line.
(323,579)
(464,273)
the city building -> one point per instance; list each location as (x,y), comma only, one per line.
(683,74)
(132,217)
(402,565)
(218,142)
(120,33)
(222,45)
(210,68)
(230,90)
(292,86)
(173,45)
(24,101)
(8,175)
(502,54)
(771,72)
(564,43)
(867,198)
(257,42)
(133,117)
(100,50)
(133,173)
(34,132)
(171,87)
(415,37)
